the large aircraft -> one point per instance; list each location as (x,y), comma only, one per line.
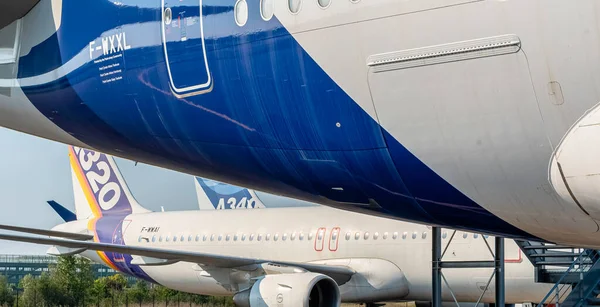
(476,114)
(262,257)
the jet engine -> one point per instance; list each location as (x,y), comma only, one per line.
(575,167)
(291,290)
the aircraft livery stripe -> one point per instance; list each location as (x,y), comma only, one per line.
(92,203)
(84,184)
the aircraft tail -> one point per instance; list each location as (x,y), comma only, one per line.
(213,195)
(98,186)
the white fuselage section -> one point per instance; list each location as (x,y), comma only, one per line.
(392,258)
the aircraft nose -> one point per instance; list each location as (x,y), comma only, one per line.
(575,167)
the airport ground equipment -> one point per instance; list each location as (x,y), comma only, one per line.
(575,272)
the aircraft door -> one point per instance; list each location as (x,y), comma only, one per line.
(320,239)
(184,48)
(334,239)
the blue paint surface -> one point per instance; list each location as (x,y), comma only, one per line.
(268,120)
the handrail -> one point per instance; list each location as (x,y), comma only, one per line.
(567,272)
(591,290)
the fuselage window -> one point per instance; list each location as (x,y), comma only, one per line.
(294,6)
(301,236)
(153,238)
(268,237)
(348,235)
(465,235)
(251,237)
(259,237)
(197,238)
(404,235)
(395,235)
(140,239)
(385,235)
(204,237)
(293,237)
(228,237)
(160,239)
(366,235)
(276,237)
(357,235)
(324,3)
(167,238)
(414,235)
(174,238)
(334,236)
(355,1)
(284,237)
(266,9)
(375,236)
(444,235)
(310,236)
(220,237)
(212,237)
(182,238)
(235,237)
(424,235)
(475,236)
(241,12)
(190,238)
(243,237)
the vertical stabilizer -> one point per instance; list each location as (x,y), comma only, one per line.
(99,189)
(213,195)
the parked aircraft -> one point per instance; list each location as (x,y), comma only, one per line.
(303,256)
(474,114)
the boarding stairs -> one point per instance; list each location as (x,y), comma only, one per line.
(575,272)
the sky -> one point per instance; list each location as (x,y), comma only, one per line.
(34,170)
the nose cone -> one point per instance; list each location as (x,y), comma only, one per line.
(575,167)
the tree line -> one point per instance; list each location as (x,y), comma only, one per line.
(71,283)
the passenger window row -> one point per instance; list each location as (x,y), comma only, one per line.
(267,8)
(228,237)
(292,236)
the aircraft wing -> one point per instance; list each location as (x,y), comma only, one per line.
(340,274)
(51,233)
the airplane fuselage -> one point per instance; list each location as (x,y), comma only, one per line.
(392,259)
(444,112)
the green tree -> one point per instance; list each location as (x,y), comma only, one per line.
(139,293)
(31,296)
(50,291)
(74,275)
(99,290)
(6,293)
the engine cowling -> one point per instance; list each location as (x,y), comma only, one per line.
(291,290)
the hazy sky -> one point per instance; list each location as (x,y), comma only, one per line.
(34,170)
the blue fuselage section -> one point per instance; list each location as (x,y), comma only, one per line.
(244,104)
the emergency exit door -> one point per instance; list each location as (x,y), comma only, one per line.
(320,239)
(184,47)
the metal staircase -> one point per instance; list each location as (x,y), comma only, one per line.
(575,272)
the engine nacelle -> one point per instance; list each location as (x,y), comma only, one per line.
(291,290)
(575,167)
